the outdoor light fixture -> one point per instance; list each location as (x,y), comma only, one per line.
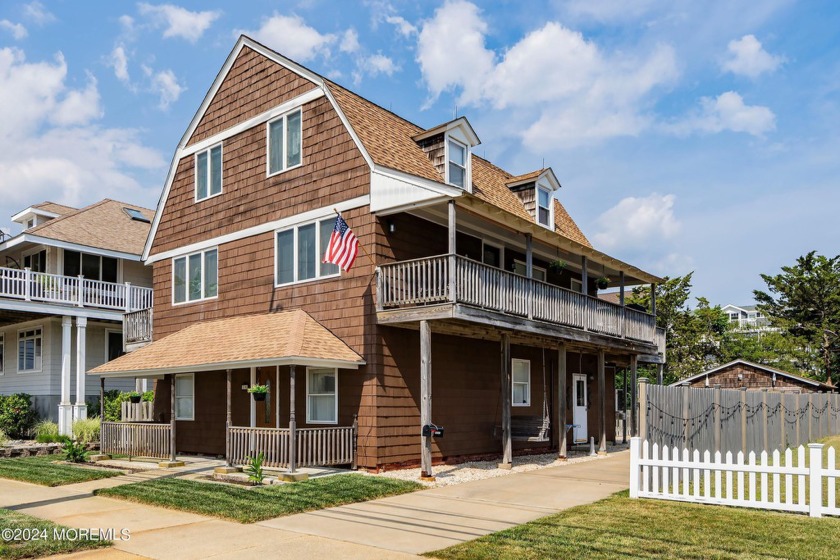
(392,227)
(245,386)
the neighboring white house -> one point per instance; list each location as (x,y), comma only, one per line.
(747,317)
(65,281)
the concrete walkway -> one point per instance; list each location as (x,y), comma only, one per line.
(396,527)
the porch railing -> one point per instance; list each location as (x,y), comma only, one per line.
(72,290)
(136,439)
(432,280)
(315,446)
(137,328)
(137,412)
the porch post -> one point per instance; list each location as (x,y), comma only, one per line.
(101,399)
(253,404)
(634,427)
(292,422)
(584,276)
(277,398)
(65,407)
(602,404)
(425,398)
(660,374)
(80,410)
(623,309)
(653,299)
(452,231)
(507,443)
(529,272)
(562,432)
(172,422)
(227,418)
(624,410)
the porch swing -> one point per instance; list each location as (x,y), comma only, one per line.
(533,429)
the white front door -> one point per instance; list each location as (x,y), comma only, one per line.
(579,406)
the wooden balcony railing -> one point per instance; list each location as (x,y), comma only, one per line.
(72,290)
(456,279)
(136,439)
(137,328)
(315,447)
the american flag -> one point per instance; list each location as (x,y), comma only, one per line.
(343,245)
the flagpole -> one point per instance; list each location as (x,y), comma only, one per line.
(362,247)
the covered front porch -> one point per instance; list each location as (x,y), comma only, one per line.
(275,392)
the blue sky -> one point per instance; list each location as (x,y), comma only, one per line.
(687,135)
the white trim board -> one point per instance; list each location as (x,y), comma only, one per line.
(240,364)
(311,215)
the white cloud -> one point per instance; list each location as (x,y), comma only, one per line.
(166,85)
(349,41)
(570,91)
(728,112)
(17,30)
(748,58)
(373,66)
(404,28)
(637,222)
(119,62)
(37,13)
(51,143)
(178,21)
(292,37)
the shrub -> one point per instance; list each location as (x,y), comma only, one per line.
(86,431)
(74,451)
(17,415)
(46,432)
(254,469)
(3,438)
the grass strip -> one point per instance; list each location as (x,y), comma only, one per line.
(247,505)
(44,471)
(31,537)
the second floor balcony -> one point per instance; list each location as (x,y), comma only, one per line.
(24,285)
(424,285)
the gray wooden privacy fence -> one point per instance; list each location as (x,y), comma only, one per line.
(316,447)
(136,439)
(734,420)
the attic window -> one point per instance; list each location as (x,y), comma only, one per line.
(137,215)
(457,167)
(544,207)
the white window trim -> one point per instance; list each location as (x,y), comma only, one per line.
(318,256)
(501,249)
(550,224)
(514,361)
(282,117)
(577,289)
(60,264)
(191,376)
(187,295)
(107,333)
(3,357)
(209,167)
(467,163)
(534,268)
(17,347)
(308,410)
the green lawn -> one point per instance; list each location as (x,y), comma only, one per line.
(42,470)
(30,547)
(248,505)
(619,527)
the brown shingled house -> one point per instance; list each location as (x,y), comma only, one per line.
(476,281)
(741,373)
(69,267)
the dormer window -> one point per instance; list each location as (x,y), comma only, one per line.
(457,167)
(544,206)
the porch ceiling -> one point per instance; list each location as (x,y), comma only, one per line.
(9,317)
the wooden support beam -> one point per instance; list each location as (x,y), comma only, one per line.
(621,287)
(624,410)
(602,404)
(292,422)
(101,399)
(653,299)
(529,255)
(252,404)
(425,398)
(634,387)
(507,442)
(172,422)
(561,430)
(227,418)
(584,276)
(452,231)
(277,397)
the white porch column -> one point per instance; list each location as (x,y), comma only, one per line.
(65,407)
(80,410)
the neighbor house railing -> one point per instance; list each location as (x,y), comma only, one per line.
(136,439)
(762,481)
(137,328)
(315,446)
(457,279)
(72,290)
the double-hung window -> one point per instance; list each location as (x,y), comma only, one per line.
(185,396)
(321,396)
(457,164)
(300,251)
(30,344)
(208,172)
(2,353)
(521,386)
(520,268)
(284,142)
(196,276)
(544,207)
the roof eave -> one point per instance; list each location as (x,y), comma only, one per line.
(304,361)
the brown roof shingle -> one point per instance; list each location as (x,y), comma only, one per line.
(103,225)
(288,336)
(54,207)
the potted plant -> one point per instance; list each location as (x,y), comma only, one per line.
(134,397)
(602,283)
(259,392)
(557,266)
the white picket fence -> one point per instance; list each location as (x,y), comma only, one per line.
(774,482)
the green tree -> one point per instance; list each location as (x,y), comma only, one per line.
(804,300)
(778,349)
